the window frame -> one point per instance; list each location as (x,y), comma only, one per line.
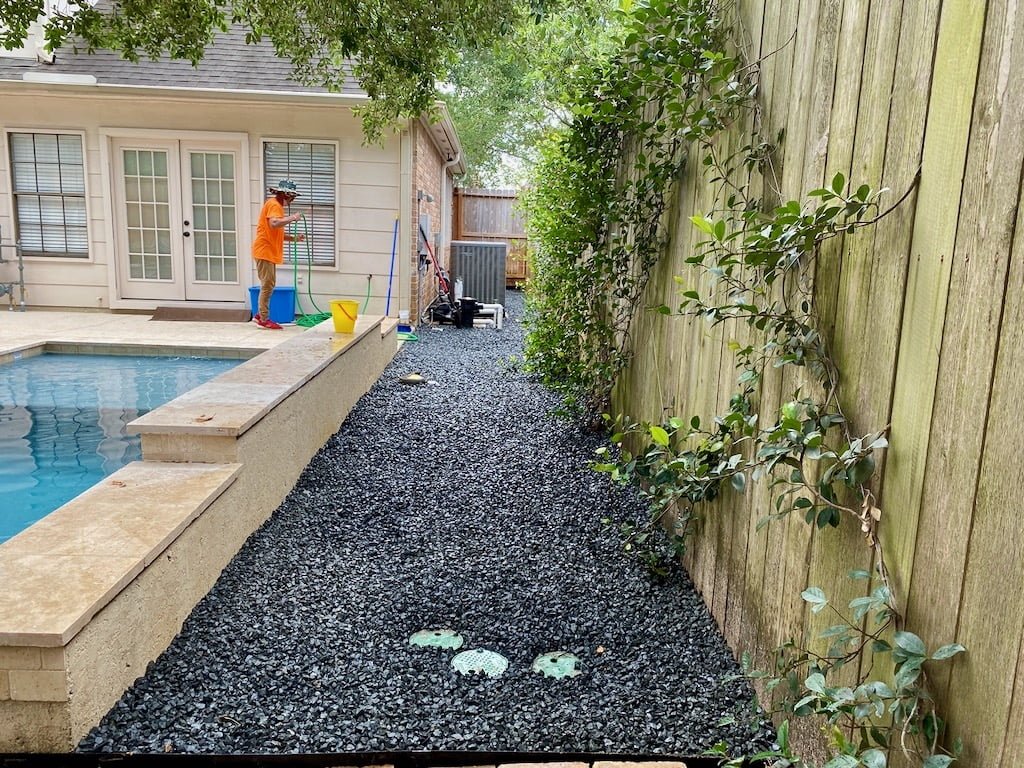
(7,149)
(335,264)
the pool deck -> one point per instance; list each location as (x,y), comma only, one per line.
(20,330)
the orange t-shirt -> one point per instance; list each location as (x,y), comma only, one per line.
(269,242)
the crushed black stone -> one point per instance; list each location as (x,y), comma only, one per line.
(462,504)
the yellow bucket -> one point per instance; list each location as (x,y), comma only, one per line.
(344,312)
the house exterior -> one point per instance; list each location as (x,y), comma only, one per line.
(136,185)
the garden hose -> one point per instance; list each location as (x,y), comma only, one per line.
(306,321)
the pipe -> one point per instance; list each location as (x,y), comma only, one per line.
(8,288)
(493,309)
(391,269)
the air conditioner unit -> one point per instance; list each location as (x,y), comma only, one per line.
(481,267)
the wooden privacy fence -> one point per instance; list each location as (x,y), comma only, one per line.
(926,315)
(491,215)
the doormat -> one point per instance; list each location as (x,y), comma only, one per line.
(203,314)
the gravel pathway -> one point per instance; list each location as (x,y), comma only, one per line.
(461,504)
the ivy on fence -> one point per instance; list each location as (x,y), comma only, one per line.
(597,220)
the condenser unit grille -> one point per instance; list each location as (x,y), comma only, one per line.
(481,267)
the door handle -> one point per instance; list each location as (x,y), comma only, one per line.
(186,234)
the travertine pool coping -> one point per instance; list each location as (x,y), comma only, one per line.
(98,588)
(61,571)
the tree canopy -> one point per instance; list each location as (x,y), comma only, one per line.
(504,97)
(396,49)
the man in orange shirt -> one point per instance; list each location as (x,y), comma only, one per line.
(268,247)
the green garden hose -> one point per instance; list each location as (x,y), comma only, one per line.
(306,321)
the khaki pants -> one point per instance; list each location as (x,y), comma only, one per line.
(266,271)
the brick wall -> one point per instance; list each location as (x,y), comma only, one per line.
(428,171)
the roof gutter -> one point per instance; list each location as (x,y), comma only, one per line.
(454,146)
(66,85)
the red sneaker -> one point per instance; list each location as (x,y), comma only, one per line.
(269,324)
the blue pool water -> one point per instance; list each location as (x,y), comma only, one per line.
(62,423)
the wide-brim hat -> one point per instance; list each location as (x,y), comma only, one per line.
(286,186)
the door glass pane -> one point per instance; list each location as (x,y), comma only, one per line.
(213,217)
(147,214)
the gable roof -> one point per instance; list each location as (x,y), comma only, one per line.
(228,64)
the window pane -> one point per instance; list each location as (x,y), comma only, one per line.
(312,166)
(48,175)
(70,148)
(72,178)
(202,269)
(46,148)
(74,211)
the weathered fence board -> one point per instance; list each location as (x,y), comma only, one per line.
(925,311)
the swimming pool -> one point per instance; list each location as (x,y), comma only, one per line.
(63,417)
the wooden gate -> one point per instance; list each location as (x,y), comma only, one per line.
(491,215)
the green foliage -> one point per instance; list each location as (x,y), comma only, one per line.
(505,97)
(869,718)
(596,215)
(397,49)
(595,204)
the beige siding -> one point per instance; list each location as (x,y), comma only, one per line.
(369,185)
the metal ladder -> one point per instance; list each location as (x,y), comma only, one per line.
(7,289)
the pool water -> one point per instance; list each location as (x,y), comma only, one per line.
(62,423)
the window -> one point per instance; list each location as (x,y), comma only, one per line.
(48,173)
(312,168)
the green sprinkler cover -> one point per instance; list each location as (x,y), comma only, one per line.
(437,638)
(557,664)
(480,661)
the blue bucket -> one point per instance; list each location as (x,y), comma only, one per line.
(282,303)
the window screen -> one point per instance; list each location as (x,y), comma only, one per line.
(48,173)
(312,167)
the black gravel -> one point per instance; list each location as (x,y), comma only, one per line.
(462,503)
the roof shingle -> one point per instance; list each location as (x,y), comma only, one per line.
(229,64)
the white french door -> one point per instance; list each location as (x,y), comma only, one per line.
(176,212)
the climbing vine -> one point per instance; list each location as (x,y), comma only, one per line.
(596,203)
(597,214)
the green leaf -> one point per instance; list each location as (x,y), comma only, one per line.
(838,183)
(739,482)
(948,651)
(815,682)
(719,231)
(659,435)
(703,225)
(879,737)
(873,758)
(782,735)
(862,471)
(859,574)
(937,761)
(910,643)
(907,675)
(695,422)
(816,597)
(834,631)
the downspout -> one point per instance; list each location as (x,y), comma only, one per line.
(448,201)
